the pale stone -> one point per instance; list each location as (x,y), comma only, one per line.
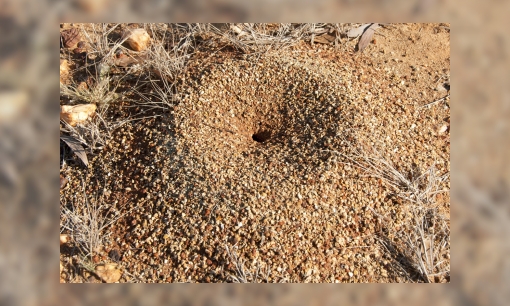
(74,114)
(137,39)
(109,273)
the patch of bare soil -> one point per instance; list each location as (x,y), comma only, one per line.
(312,163)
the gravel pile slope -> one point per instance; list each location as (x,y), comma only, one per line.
(248,169)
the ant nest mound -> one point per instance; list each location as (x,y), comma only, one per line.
(234,109)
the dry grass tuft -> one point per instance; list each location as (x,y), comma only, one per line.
(262,37)
(424,243)
(87,223)
(244,274)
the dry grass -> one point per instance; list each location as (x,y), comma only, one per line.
(261,38)
(423,245)
(87,222)
(100,92)
(243,274)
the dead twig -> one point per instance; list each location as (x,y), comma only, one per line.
(436,101)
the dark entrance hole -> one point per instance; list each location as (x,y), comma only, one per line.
(261,136)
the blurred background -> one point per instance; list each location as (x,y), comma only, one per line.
(29,148)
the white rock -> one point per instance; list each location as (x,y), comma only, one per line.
(137,39)
(74,114)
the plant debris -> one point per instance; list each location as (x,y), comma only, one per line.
(355,32)
(76,147)
(366,37)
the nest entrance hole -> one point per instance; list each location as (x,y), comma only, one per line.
(261,136)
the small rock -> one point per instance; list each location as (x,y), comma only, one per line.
(64,68)
(74,114)
(109,273)
(63,182)
(70,38)
(443,129)
(64,238)
(137,39)
(80,48)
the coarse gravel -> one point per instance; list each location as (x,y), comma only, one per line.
(252,162)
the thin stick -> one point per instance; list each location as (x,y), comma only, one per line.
(436,101)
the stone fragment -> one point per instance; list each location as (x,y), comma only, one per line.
(64,69)
(74,114)
(109,273)
(64,238)
(137,39)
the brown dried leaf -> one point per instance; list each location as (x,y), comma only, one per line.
(70,37)
(63,182)
(109,273)
(125,61)
(325,39)
(358,31)
(367,36)
(76,147)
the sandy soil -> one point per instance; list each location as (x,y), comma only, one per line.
(251,175)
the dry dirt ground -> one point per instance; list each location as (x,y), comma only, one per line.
(295,163)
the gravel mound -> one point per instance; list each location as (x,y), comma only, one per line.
(246,178)
(254,159)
